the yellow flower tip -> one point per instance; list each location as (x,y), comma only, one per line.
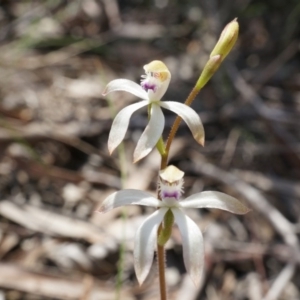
(202,141)
(242,209)
(227,39)
(247,210)
(110,149)
(171,174)
(137,158)
(159,70)
(200,137)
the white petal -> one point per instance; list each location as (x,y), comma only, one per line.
(127,86)
(120,125)
(210,199)
(192,243)
(151,134)
(189,116)
(145,241)
(128,197)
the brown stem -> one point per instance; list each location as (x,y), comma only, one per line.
(163,165)
(161,269)
(188,102)
(164,161)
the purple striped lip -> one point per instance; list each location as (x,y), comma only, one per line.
(173,194)
(148,86)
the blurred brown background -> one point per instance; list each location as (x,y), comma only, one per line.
(55,59)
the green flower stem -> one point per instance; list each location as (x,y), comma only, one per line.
(163,165)
(221,50)
(209,70)
(223,47)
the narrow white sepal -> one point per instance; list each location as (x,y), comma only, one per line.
(145,242)
(151,134)
(189,116)
(126,86)
(120,125)
(128,197)
(192,244)
(211,199)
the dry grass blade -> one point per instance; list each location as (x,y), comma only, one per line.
(45,285)
(42,220)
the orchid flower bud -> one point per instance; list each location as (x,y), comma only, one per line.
(223,47)
(227,40)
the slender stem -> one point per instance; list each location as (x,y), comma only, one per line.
(161,259)
(188,101)
(163,165)
(164,160)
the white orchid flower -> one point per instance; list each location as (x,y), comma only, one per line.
(153,86)
(170,188)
